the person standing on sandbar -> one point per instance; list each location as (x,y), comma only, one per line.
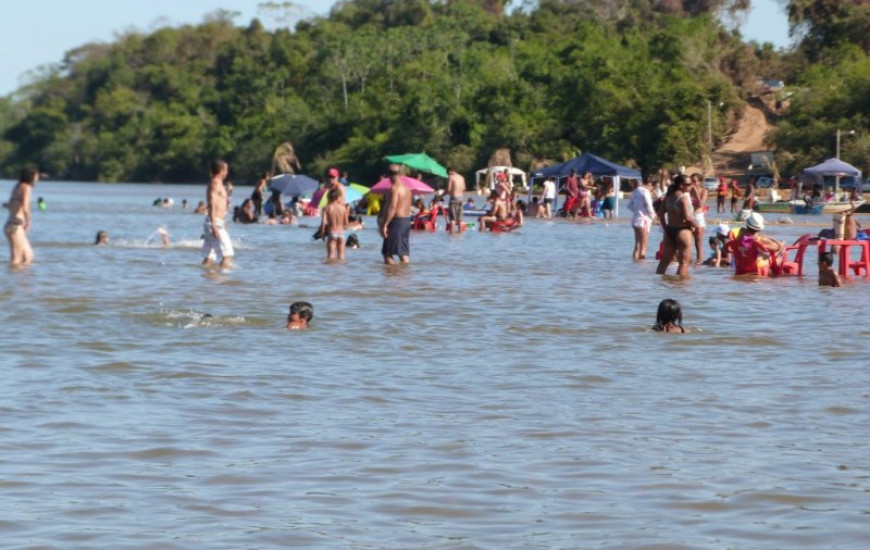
(394,221)
(456,190)
(217,245)
(18,222)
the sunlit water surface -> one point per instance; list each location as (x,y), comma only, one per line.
(502,391)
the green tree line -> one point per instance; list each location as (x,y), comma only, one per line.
(626,79)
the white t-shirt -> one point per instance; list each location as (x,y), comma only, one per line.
(549,189)
(642,207)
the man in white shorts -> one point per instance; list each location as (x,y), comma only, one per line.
(217,245)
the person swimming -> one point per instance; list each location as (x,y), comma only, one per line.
(300,315)
(102,238)
(164,237)
(669,317)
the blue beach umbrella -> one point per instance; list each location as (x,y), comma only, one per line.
(293,185)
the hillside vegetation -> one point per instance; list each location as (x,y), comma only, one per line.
(626,79)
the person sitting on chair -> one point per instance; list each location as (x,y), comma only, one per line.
(498,212)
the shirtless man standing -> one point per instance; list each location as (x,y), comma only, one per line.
(217,244)
(394,221)
(18,223)
(456,189)
(498,212)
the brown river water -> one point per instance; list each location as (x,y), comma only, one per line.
(502,391)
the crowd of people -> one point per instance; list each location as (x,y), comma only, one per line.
(677,203)
(585,197)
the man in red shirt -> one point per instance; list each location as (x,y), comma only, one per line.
(572,190)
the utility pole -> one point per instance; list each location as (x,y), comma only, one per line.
(710,126)
(839,134)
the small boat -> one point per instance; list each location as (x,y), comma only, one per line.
(779,207)
(835,207)
(789,207)
(800,207)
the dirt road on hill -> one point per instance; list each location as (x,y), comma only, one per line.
(750,132)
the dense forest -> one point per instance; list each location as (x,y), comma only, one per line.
(627,79)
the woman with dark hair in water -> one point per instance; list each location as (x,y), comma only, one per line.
(678,221)
(669,317)
(18,222)
(257,194)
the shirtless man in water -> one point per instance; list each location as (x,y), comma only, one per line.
(217,244)
(456,189)
(498,213)
(18,223)
(394,220)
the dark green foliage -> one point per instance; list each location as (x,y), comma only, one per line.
(626,79)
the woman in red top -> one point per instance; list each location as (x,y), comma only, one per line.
(721,193)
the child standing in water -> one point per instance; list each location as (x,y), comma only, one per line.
(669,317)
(333,224)
(827,275)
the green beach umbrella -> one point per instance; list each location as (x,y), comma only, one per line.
(421,162)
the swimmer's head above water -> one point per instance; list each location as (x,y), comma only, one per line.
(102,238)
(669,317)
(300,315)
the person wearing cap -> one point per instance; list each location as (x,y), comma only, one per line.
(333,183)
(752,251)
(721,256)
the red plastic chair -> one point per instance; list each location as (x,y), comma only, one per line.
(661,251)
(425,221)
(428,220)
(795,266)
(504,226)
(846,262)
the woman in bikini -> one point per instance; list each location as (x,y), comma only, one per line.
(678,221)
(18,222)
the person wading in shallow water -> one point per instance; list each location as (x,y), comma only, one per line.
(18,222)
(456,190)
(394,222)
(678,221)
(643,213)
(217,244)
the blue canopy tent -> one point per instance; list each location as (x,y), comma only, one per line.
(587,162)
(833,167)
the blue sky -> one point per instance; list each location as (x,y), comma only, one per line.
(39,32)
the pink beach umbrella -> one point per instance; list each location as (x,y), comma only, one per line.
(417,187)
